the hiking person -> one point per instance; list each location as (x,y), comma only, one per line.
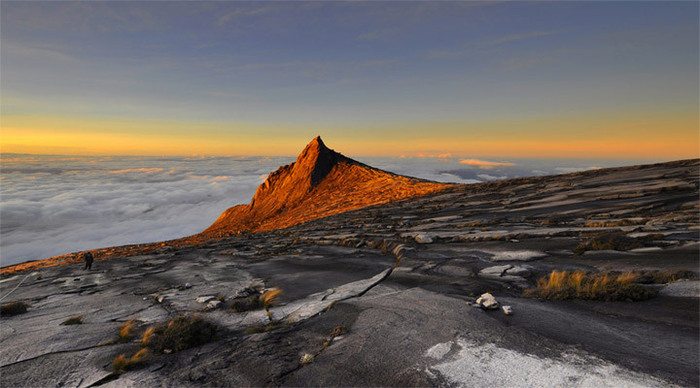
(87,256)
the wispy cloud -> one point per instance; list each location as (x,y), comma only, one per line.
(37,53)
(242,12)
(485,164)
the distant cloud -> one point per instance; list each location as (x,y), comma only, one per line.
(488,177)
(485,164)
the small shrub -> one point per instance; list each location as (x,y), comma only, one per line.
(13,308)
(77,320)
(182,333)
(247,303)
(559,285)
(126,331)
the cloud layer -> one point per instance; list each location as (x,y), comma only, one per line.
(55,205)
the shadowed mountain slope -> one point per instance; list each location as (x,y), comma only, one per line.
(320,183)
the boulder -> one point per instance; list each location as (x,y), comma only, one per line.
(507,310)
(487,301)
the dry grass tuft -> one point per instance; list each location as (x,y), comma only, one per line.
(126,331)
(139,356)
(559,285)
(336,332)
(268,297)
(627,278)
(77,320)
(307,358)
(664,276)
(148,336)
(13,308)
(121,363)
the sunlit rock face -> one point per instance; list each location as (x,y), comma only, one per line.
(320,183)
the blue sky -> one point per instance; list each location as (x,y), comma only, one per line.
(432,72)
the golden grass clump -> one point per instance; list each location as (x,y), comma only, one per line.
(126,331)
(147,336)
(559,285)
(139,356)
(268,298)
(627,278)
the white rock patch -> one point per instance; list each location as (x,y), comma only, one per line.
(516,255)
(491,366)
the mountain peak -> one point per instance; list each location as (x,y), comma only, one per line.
(321,182)
(315,161)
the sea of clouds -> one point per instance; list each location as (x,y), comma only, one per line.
(51,205)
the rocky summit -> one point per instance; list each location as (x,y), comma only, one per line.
(338,274)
